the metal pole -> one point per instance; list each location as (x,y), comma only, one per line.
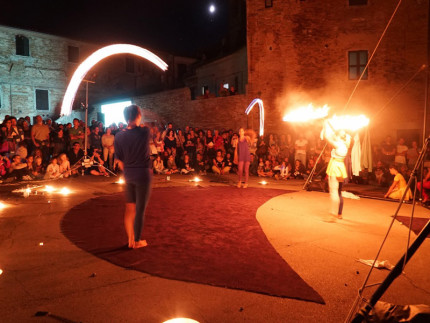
(86,119)
(309,179)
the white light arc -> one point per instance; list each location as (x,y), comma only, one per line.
(96,57)
(261,106)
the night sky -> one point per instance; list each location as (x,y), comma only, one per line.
(181,27)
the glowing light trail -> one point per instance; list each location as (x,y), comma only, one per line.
(261,106)
(96,57)
(306,113)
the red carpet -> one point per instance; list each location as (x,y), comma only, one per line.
(202,235)
(417,223)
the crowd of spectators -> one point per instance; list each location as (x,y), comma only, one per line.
(47,150)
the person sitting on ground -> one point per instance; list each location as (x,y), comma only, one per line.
(187,167)
(412,155)
(425,186)
(38,168)
(53,169)
(266,170)
(96,165)
(158,166)
(253,166)
(22,150)
(108,140)
(171,165)
(75,156)
(399,186)
(299,170)
(218,166)
(4,166)
(201,164)
(380,174)
(30,163)
(284,171)
(18,169)
(64,164)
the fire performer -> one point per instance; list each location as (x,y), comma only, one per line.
(132,151)
(242,155)
(336,170)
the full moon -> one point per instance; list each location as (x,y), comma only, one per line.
(212,8)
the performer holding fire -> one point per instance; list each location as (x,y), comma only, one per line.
(336,170)
(132,150)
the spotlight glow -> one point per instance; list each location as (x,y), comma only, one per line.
(40,243)
(261,106)
(2,205)
(96,57)
(212,8)
(1,271)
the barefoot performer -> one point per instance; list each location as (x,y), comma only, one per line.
(132,150)
(242,155)
(336,170)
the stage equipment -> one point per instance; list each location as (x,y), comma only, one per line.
(362,315)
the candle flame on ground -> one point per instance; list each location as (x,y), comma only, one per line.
(306,113)
(120,181)
(263,182)
(65,191)
(49,189)
(2,206)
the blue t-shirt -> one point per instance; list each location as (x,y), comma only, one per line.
(132,148)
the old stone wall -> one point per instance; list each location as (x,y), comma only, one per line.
(177,107)
(298,53)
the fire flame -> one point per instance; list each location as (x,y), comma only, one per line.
(347,122)
(261,106)
(306,113)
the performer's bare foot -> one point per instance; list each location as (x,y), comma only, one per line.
(131,243)
(140,244)
(329,219)
(339,216)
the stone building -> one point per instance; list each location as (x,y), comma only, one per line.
(314,51)
(35,69)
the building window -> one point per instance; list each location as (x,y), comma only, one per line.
(42,102)
(73,54)
(357,61)
(357,2)
(22,45)
(204,89)
(268,3)
(129,64)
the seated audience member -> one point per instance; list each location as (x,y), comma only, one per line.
(253,165)
(298,171)
(425,186)
(4,166)
(380,174)
(187,167)
(284,171)
(171,165)
(30,163)
(22,150)
(399,186)
(189,146)
(310,167)
(95,139)
(58,143)
(64,164)
(201,164)
(38,168)
(200,146)
(76,155)
(218,165)
(96,165)
(266,170)
(53,169)
(228,159)
(158,166)
(18,169)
